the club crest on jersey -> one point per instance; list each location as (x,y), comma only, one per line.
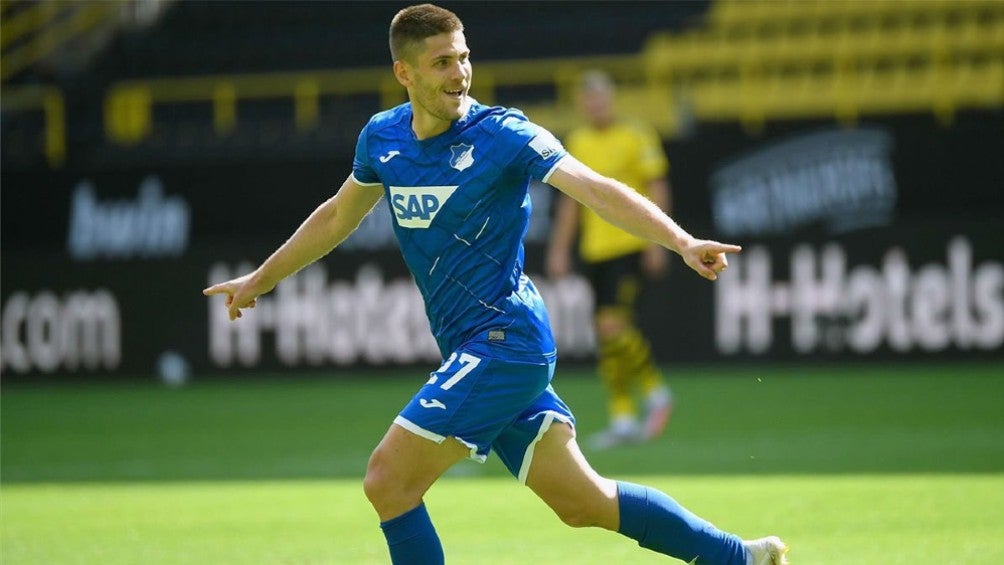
(462,156)
(417,206)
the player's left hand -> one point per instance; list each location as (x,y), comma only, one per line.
(708,257)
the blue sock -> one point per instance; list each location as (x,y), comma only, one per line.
(659,523)
(412,538)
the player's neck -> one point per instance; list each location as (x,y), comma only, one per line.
(425,125)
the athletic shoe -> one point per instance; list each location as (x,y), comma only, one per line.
(767,551)
(658,418)
(660,407)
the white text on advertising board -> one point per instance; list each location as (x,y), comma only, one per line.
(316,321)
(833,306)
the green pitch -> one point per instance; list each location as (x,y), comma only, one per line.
(854,464)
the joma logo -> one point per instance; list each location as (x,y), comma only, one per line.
(417,206)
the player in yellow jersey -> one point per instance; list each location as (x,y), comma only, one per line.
(616,263)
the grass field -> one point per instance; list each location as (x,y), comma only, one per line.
(859,464)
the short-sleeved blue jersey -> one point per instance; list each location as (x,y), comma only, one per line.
(461,207)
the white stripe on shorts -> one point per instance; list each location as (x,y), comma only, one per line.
(418,430)
(422,432)
(549,417)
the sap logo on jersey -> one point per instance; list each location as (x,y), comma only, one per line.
(417,206)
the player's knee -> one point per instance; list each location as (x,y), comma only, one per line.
(372,486)
(582,507)
(378,483)
(576,519)
(579,516)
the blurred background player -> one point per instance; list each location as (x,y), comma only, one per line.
(616,262)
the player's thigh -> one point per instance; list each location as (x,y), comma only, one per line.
(404,465)
(515,444)
(562,477)
(411,459)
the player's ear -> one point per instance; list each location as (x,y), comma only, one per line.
(403,71)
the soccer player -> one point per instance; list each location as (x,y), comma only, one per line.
(455,174)
(615,261)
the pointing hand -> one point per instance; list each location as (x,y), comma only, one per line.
(708,257)
(240,294)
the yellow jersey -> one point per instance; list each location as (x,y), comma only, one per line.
(629,152)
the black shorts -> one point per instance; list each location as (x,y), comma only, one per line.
(616,282)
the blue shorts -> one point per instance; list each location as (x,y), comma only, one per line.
(487,404)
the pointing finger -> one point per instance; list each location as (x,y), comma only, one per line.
(227,288)
(215,289)
(726,248)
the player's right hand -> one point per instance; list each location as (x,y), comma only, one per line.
(240,294)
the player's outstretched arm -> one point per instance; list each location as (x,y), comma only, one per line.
(628,210)
(325,228)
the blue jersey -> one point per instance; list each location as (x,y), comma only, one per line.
(461,208)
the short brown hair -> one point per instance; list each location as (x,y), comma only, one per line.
(415,23)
